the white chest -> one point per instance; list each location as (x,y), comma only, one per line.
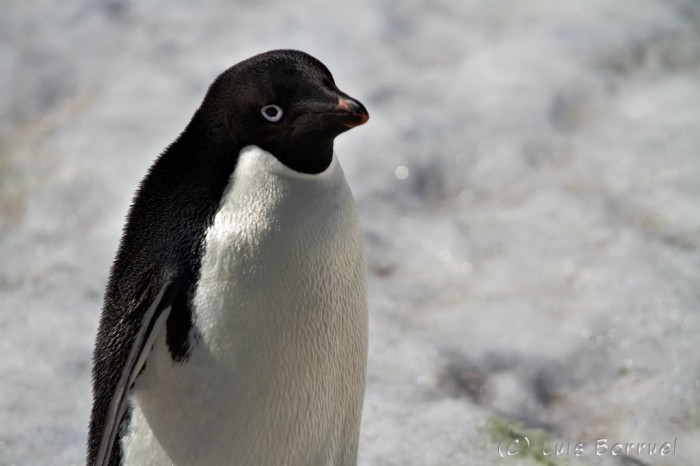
(277,373)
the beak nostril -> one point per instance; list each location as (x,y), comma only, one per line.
(343,104)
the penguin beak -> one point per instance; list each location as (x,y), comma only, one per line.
(350,112)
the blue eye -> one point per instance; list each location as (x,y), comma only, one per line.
(272,113)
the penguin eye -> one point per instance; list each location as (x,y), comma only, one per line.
(272,113)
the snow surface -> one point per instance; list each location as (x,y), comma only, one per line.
(529,184)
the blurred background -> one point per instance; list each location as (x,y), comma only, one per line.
(529,183)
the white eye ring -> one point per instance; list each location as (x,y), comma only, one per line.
(272,113)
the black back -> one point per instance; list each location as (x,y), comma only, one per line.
(176,202)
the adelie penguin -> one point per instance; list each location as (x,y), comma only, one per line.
(234,327)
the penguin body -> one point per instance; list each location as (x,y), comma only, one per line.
(234,329)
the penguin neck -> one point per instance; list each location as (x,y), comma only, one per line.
(310,157)
(203,139)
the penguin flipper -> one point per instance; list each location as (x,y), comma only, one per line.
(153,323)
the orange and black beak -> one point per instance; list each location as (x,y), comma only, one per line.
(350,112)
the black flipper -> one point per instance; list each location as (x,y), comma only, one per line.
(115,375)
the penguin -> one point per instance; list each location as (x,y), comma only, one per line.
(234,323)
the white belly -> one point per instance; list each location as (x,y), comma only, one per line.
(276,375)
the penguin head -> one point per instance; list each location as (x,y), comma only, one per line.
(285,102)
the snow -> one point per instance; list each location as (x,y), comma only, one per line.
(528,181)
